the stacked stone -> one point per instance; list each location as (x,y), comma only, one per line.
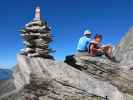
(36,35)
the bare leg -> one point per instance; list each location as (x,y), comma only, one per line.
(108,51)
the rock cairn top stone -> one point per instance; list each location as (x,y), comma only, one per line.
(36,36)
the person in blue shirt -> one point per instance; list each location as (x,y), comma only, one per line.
(84,42)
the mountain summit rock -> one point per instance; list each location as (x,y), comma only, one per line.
(89,78)
(124,50)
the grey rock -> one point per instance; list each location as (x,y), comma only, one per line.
(106,70)
(36,36)
(124,50)
(6,86)
(39,78)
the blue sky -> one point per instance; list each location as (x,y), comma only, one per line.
(67,18)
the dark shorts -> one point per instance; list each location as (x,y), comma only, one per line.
(82,50)
(99,54)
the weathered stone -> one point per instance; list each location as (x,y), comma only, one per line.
(124,50)
(106,70)
(38,78)
(36,35)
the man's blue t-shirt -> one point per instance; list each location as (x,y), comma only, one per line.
(83,43)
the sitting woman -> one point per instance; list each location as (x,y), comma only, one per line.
(96,49)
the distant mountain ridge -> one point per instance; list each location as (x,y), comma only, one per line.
(5,74)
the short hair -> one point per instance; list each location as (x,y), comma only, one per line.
(98,36)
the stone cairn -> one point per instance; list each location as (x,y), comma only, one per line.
(36,36)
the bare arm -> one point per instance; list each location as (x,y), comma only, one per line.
(92,48)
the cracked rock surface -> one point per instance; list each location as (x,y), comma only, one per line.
(37,78)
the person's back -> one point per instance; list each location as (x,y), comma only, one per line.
(84,42)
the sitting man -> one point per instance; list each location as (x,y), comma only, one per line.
(96,49)
(84,42)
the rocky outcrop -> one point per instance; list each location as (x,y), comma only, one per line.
(124,50)
(104,69)
(45,79)
(6,86)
